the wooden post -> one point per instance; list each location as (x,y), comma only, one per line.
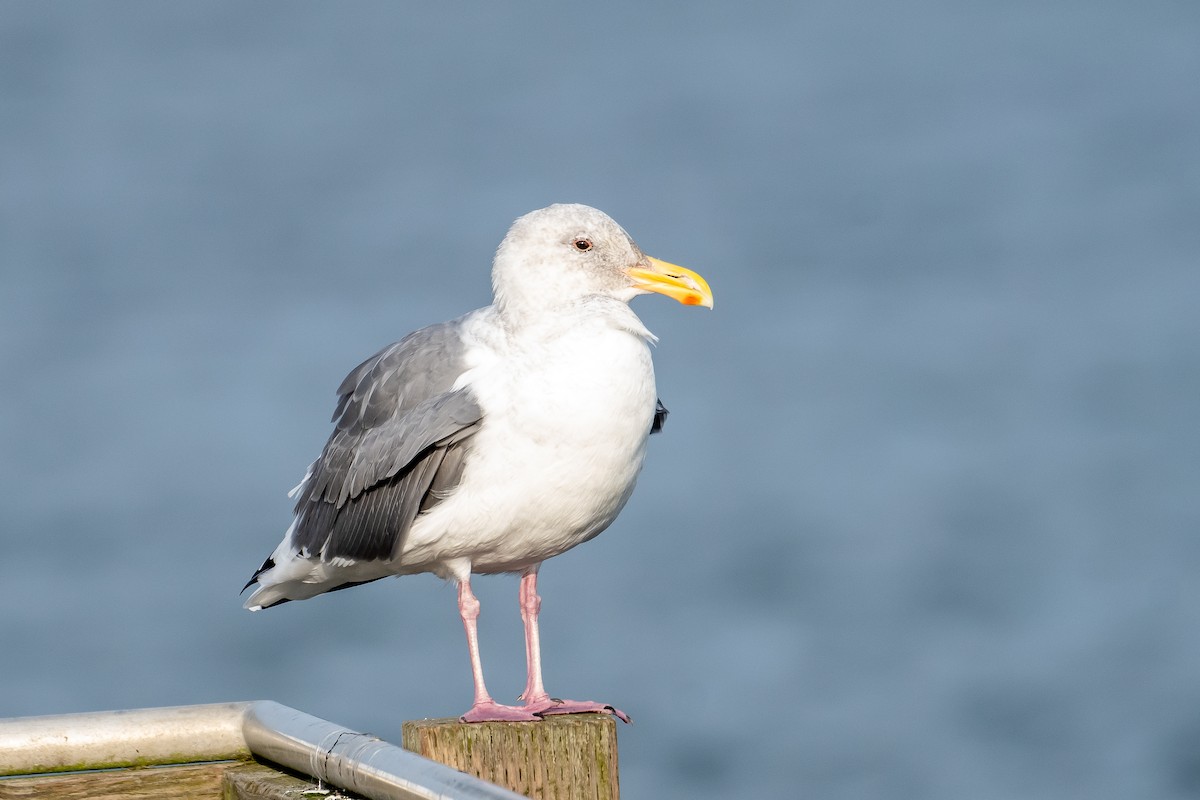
(564,757)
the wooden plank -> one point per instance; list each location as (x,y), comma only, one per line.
(214,781)
(146,783)
(564,757)
(261,782)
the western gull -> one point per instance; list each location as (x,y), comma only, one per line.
(494,441)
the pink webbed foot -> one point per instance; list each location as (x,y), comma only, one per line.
(551,705)
(494,712)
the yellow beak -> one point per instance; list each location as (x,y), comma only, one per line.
(674,281)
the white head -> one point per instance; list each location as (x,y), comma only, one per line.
(560,255)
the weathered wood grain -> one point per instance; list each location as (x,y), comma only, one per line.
(564,757)
(146,783)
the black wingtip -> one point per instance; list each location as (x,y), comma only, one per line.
(266,565)
(660,417)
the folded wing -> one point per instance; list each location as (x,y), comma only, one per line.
(402,433)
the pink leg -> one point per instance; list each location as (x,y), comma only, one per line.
(537,701)
(484,709)
(531,604)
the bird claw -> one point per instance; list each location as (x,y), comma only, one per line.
(553,705)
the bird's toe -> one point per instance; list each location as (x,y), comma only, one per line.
(495,712)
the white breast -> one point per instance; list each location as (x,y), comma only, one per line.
(566,417)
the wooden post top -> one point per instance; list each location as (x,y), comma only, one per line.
(565,756)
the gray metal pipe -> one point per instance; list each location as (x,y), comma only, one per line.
(142,737)
(356,761)
(187,734)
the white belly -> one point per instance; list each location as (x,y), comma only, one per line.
(562,442)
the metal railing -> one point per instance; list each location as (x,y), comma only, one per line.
(329,753)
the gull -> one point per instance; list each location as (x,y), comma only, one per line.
(492,442)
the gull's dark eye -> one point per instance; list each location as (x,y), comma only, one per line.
(583,245)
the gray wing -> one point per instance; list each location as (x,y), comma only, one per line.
(401,436)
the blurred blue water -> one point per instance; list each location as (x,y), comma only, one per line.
(924,520)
